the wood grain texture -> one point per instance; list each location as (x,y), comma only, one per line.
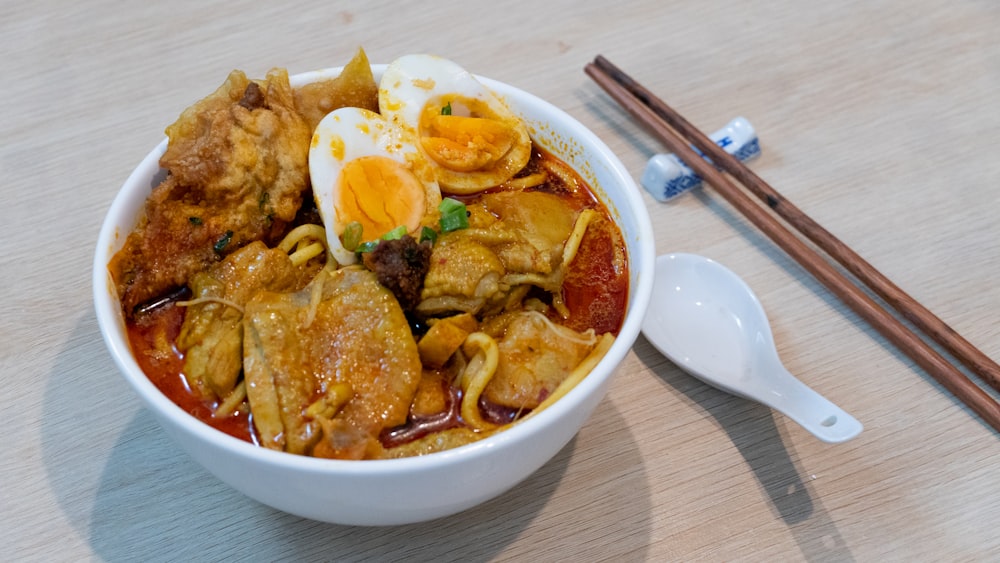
(683,138)
(678,136)
(878,119)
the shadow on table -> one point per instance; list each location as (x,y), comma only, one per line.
(752,429)
(148,500)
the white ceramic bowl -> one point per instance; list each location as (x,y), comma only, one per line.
(385,492)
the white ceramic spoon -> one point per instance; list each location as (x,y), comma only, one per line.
(705,319)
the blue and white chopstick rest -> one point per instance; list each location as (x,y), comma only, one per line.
(667,177)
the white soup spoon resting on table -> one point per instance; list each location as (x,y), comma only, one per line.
(705,319)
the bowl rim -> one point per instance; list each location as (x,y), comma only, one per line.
(116,226)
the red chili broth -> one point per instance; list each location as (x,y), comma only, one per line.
(153,338)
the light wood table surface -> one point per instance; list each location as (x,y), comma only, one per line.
(879,119)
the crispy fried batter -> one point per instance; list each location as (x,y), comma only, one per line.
(354,87)
(237,164)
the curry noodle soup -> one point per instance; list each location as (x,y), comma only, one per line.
(356,269)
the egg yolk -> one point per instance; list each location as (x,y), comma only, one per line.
(466,144)
(380,194)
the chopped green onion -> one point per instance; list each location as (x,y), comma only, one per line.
(221,244)
(450,205)
(446,110)
(428,233)
(451,223)
(395,234)
(367,246)
(454,215)
(351,237)
(263,203)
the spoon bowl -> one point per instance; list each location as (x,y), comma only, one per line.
(705,319)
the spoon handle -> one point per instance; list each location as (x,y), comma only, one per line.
(812,411)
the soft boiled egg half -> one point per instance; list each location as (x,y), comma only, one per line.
(366,172)
(470,138)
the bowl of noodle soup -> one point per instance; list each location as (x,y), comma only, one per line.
(421,487)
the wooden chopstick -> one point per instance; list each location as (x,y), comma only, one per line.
(638,102)
(911,309)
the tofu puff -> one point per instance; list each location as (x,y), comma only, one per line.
(237,172)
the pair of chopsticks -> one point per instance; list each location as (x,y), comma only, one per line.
(678,135)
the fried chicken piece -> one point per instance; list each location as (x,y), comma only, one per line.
(329,367)
(237,164)
(211,337)
(354,87)
(536,355)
